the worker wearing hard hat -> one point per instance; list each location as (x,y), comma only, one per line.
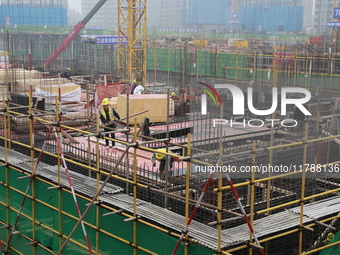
(108,116)
(66,74)
(329,237)
(162,158)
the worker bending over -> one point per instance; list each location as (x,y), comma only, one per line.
(108,116)
(162,159)
(67,74)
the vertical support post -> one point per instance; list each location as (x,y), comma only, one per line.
(303,182)
(187,192)
(219,212)
(167,148)
(183,64)
(154,63)
(98,177)
(236,64)
(30,103)
(269,183)
(306,70)
(295,66)
(135,188)
(5,123)
(169,67)
(69,57)
(219,194)
(8,232)
(127,136)
(60,214)
(252,195)
(196,52)
(88,128)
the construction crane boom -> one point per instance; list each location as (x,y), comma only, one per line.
(81,24)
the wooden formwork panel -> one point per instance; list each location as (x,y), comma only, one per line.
(156,104)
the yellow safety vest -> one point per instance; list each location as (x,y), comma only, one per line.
(110,111)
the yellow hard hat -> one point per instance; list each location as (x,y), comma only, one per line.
(160,155)
(68,69)
(173,94)
(105,101)
(330,236)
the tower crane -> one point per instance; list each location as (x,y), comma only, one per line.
(131,26)
(234,15)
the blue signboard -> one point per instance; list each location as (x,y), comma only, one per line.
(336,13)
(107,40)
(94,27)
(333,24)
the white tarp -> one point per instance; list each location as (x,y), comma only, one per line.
(70,92)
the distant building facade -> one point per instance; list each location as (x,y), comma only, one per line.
(160,13)
(271,19)
(33,12)
(204,12)
(322,13)
(270,16)
(105,17)
(316,14)
(252,15)
(163,13)
(267,3)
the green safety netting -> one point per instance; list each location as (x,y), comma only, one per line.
(334,250)
(47,219)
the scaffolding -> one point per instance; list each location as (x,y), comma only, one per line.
(277,183)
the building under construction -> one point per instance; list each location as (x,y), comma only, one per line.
(243,183)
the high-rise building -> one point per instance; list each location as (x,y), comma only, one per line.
(270,19)
(106,16)
(33,12)
(316,15)
(322,13)
(270,2)
(36,3)
(161,13)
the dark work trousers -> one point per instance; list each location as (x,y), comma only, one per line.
(162,164)
(111,134)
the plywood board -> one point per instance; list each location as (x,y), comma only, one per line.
(18,73)
(156,104)
(64,88)
(70,92)
(24,85)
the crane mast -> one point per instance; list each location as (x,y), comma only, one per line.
(132,27)
(234,15)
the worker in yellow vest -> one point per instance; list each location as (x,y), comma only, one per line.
(162,159)
(108,116)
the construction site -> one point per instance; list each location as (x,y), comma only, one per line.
(224,145)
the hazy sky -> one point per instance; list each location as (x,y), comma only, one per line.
(75,4)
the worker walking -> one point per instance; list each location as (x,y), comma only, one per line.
(108,116)
(162,159)
(66,74)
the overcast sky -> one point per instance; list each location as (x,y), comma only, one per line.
(75,4)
